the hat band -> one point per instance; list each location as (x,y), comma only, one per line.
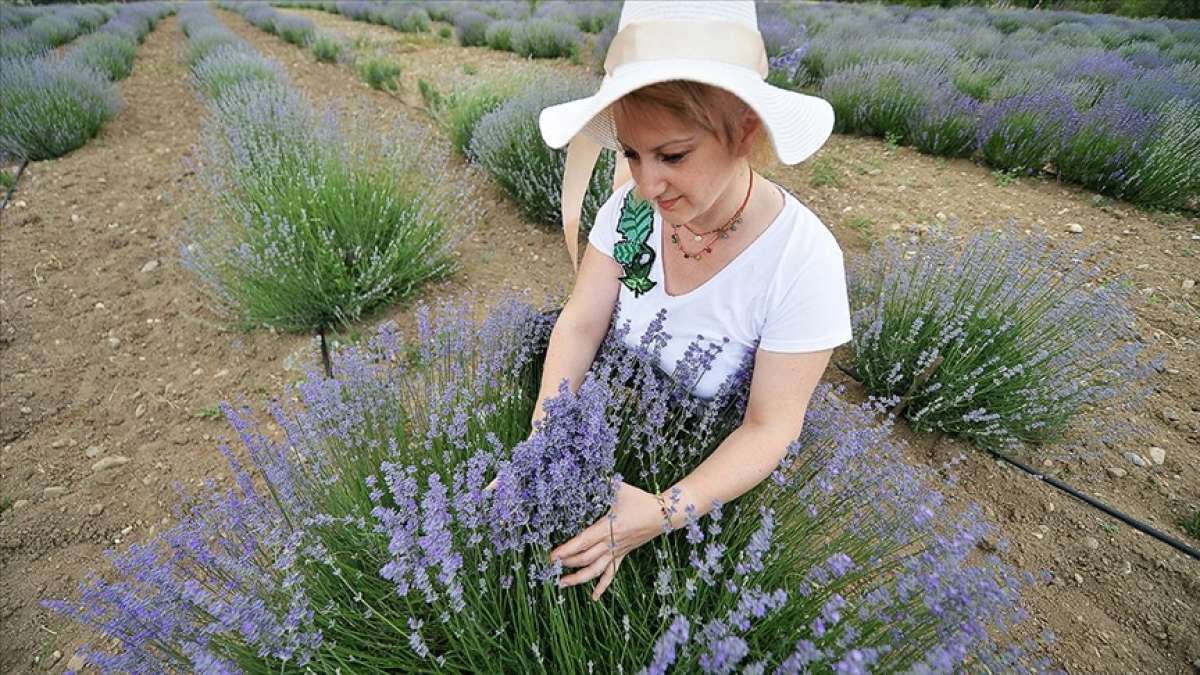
(723,41)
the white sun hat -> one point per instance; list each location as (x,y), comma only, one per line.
(714,42)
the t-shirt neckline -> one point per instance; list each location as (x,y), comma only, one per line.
(737,260)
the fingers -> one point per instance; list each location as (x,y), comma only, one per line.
(587,557)
(610,572)
(595,533)
(491,485)
(590,572)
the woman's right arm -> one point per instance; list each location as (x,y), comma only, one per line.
(581,326)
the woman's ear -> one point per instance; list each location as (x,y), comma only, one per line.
(750,125)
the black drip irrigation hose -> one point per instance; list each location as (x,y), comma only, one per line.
(325,361)
(13,188)
(1090,501)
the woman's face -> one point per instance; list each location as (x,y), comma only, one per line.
(683,169)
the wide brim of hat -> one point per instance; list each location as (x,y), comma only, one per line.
(798,124)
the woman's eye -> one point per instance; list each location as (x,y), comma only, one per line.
(674,159)
(629,154)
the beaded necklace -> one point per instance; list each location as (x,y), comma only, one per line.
(721,232)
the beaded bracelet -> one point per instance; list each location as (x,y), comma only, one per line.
(662,504)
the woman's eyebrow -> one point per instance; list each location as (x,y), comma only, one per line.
(660,147)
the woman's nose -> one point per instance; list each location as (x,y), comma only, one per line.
(652,181)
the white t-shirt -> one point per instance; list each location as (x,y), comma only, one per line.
(787,290)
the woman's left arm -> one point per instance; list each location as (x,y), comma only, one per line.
(780,389)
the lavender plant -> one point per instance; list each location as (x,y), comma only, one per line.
(499,34)
(1107,141)
(206,39)
(110,55)
(1167,173)
(1022,133)
(471,28)
(461,110)
(295,29)
(407,18)
(318,225)
(879,99)
(366,525)
(544,39)
(50,107)
(326,48)
(229,65)
(506,142)
(1003,339)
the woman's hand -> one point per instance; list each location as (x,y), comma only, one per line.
(635,519)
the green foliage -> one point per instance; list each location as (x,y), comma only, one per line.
(212,412)
(207,40)
(380,73)
(1004,178)
(318,226)
(229,66)
(8,179)
(50,107)
(296,33)
(326,48)
(864,226)
(1192,525)
(445,32)
(508,143)
(1002,338)
(824,173)
(544,39)
(461,110)
(110,54)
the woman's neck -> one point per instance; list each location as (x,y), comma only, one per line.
(761,201)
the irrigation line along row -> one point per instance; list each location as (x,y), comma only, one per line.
(13,188)
(1090,501)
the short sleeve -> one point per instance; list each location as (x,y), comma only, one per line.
(813,312)
(603,234)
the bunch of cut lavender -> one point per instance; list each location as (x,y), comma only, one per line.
(506,143)
(373,513)
(1003,338)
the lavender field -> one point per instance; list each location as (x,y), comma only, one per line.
(274,310)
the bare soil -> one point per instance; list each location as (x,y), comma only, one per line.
(102,359)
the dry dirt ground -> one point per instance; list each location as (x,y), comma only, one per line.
(106,355)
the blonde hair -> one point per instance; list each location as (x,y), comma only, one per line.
(711,108)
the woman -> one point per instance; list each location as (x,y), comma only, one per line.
(699,232)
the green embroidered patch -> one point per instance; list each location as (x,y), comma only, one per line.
(632,252)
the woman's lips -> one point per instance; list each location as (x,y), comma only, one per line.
(667,205)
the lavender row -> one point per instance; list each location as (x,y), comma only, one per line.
(368,524)
(28,31)
(1106,102)
(51,106)
(317,220)
(555,29)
